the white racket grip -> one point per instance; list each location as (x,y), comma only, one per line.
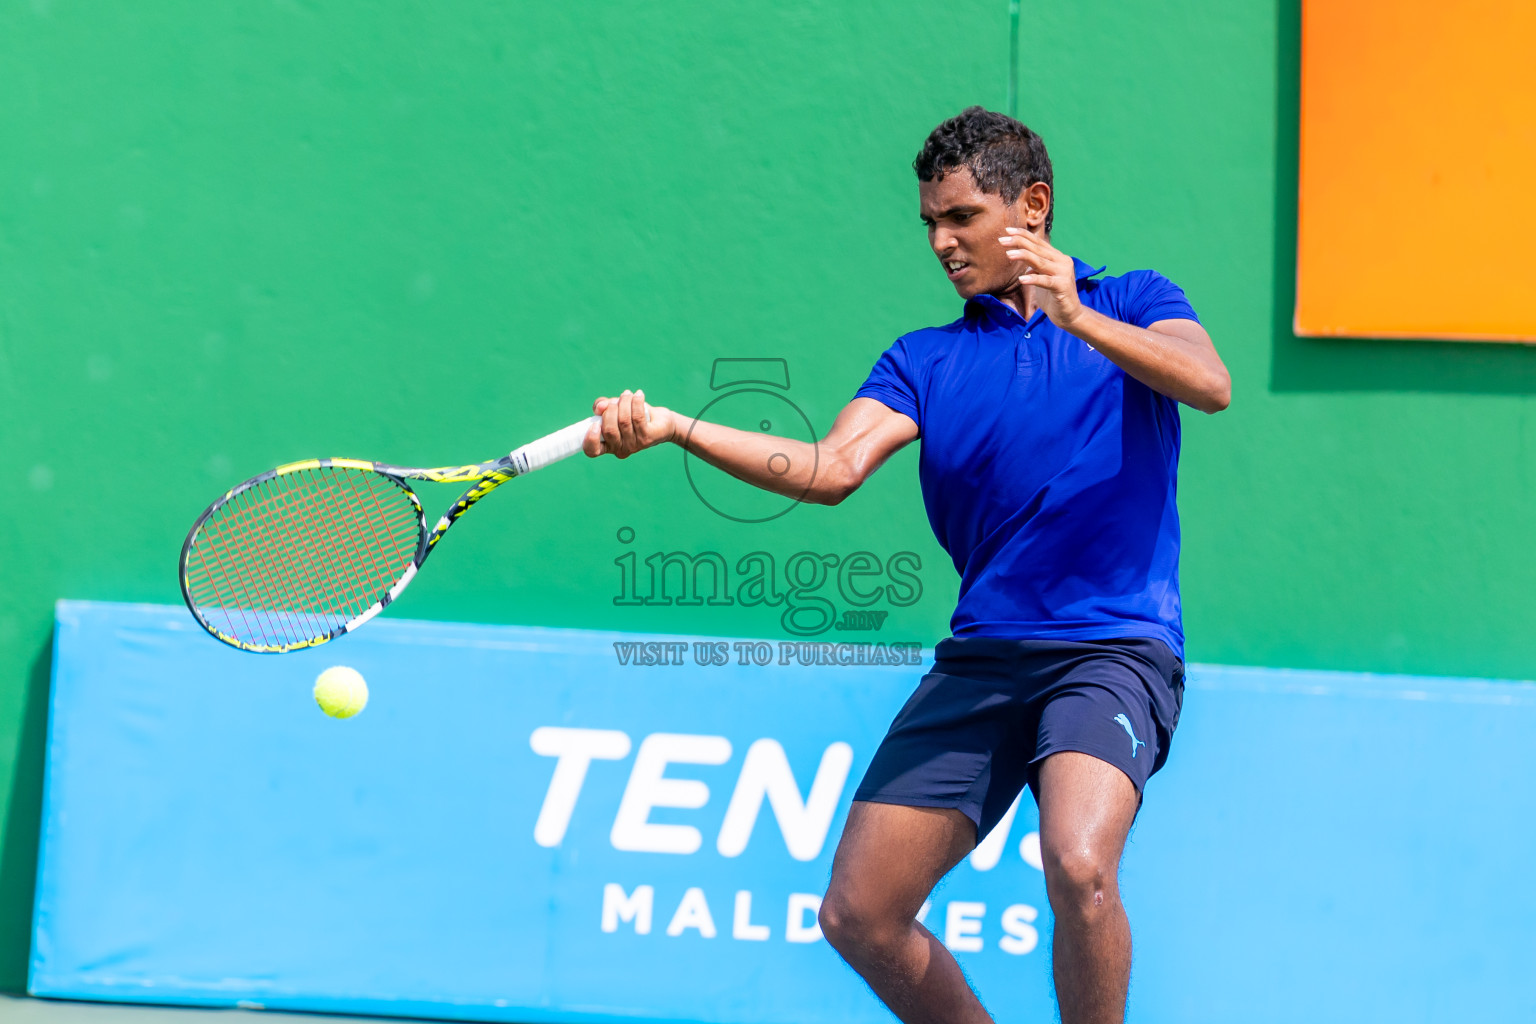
(562,444)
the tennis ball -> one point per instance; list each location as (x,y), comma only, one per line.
(341,692)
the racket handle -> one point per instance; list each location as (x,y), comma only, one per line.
(562,444)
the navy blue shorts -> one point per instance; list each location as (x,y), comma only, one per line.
(974,732)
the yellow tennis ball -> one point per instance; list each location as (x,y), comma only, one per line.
(341,692)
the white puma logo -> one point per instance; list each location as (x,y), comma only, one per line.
(1125,723)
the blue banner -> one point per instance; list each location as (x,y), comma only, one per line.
(558,825)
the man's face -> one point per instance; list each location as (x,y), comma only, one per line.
(964,224)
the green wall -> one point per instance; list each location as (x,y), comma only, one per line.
(236,234)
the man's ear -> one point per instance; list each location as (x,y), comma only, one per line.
(1034,205)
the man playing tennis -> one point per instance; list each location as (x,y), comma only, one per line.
(1050,429)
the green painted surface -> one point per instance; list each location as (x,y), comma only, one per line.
(234,235)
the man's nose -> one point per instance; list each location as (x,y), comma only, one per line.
(942,242)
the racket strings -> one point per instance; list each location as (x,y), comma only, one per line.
(252,575)
(298,556)
(252,578)
(260,580)
(296,560)
(324,564)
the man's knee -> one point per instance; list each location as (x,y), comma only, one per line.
(870,906)
(1078,878)
(858,929)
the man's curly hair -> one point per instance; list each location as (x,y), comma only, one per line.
(1002,154)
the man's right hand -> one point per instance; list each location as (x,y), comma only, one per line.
(629,425)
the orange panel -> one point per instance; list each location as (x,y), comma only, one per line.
(1418,169)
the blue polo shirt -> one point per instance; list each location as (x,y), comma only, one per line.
(1048,473)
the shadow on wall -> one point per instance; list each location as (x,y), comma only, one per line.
(1369,364)
(18,842)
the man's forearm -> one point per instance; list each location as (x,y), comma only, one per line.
(1184,370)
(777,464)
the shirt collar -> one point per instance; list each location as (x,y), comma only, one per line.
(997,307)
(1084,271)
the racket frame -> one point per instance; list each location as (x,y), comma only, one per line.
(486,477)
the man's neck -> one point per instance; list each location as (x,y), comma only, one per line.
(1019,299)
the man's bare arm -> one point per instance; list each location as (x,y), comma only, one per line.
(1174,357)
(865,434)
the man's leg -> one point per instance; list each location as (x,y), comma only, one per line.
(1086,809)
(888,861)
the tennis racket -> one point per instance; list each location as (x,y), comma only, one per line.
(309,551)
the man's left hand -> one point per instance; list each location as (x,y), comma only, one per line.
(1049,272)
